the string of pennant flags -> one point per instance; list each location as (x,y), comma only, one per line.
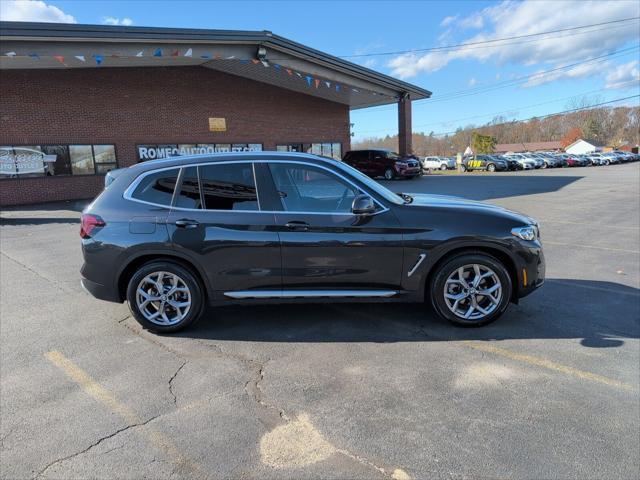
(99,59)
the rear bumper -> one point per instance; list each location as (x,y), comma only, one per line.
(101,292)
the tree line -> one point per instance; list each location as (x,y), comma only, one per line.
(612,126)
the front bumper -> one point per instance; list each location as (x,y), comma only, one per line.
(531,267)
(408,171)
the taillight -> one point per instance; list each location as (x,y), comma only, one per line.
(89,223)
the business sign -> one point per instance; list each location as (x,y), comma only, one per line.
(217,124)
(23,160)
(155,152)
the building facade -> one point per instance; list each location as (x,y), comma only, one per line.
(69,115)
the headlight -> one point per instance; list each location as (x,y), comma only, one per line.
(530,232)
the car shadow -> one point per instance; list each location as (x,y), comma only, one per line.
(483,187)
(43,213)
(600,314)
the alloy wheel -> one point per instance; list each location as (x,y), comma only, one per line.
(388,174)
(472,292)
(163,298)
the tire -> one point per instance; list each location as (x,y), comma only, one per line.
(545,165)
(146,278)
(449,270)
(389,174)
(443,167)
(491,168)
(463,168)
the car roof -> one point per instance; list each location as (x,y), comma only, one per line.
(179,161)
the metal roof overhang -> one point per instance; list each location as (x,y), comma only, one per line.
(36,45)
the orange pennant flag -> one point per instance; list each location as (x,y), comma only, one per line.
(59,58)
(255,60)
(289,71)
(175,53)
(317,82)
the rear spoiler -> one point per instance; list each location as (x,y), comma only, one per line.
(112,175)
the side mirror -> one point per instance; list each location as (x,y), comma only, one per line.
(363,205)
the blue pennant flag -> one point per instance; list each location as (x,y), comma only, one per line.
(157,53)
(308,80)
(205,56)
(34,55)
(99,59)
(337,87)
(276,66)
(244,61)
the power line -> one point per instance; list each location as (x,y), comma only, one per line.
(541,116)
(506,83)
(484,42)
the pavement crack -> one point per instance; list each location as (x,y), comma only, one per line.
(93,445)
(173,377)
(36,273)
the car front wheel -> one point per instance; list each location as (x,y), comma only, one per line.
(164,297)
(389,174)
(443,167)
(463,168)
(471,289)
(491,167)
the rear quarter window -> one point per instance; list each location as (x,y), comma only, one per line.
(157,187)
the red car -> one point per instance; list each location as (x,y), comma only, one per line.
(382,163)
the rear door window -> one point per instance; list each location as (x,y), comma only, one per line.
(229,186)
(157,187)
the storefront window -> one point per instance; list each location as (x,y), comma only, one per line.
(331,150)
(54,160)
(81,159)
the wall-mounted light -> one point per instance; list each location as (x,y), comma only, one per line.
(262,56)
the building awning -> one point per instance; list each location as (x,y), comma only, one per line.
(257,55)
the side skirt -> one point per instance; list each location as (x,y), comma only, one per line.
(318,294)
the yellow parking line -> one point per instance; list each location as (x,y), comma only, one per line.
(543,362)
(159,441)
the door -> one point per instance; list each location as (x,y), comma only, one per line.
(326,246)
(217,221)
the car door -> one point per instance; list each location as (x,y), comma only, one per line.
(216,221)
(324,245)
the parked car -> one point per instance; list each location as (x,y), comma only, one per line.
(549,161)
(382,163)
(484,162)
(538,162)
(524,162)
(438,163)
(512,163)
(175,235)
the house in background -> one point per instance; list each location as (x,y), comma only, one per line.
(581,146)
(527,147)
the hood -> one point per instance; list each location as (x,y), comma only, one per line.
(447,201)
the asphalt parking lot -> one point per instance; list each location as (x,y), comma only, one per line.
(551,390)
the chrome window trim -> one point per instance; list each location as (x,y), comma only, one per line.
(127,195)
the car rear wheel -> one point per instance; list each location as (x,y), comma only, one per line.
(389,174)
(443,167)
(491,167)
(164,297)
(471,290)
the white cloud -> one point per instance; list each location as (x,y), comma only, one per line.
(472,81)
(32,11)
(126,21)
(579,71)
(508,19)
(446,21)
(624,76)
(475,20)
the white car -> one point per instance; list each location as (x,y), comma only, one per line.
(525,162)
(437,163)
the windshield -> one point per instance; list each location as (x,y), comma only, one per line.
(371,183)
(393,156)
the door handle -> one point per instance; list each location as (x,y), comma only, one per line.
(187,223)
(297,226)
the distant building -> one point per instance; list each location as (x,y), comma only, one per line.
(584,146)
(527,147)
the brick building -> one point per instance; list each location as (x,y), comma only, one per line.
(79,100)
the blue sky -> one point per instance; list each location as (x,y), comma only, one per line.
(367,27)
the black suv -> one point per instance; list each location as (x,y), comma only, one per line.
(383,163)
(173,236)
